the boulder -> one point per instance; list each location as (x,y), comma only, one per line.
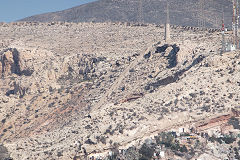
(4,155)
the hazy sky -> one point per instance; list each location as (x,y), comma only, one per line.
(12,10)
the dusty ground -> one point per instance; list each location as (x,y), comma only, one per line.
(67,88)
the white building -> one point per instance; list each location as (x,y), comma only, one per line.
(162,154)
(230,47)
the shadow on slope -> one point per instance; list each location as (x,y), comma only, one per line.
(175,77)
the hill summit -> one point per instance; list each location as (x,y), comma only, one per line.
(184,12)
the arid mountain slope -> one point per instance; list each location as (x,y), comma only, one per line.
(75,89)
(184,12)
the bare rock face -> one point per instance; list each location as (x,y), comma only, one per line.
(4,155)
(17,90)
(42,81)
(10,63)
(79,68)
(17,70)
(20,67)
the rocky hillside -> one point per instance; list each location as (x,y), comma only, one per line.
(79,89)
(184,12)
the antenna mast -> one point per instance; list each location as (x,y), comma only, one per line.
(167,25)
(223,33)
(235,22)
(201,17)
(168,19)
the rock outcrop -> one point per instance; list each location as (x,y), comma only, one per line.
(4,155)
(10,63)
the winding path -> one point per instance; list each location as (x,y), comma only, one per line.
(118,81)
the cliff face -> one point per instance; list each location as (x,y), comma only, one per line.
(184,12)
(9,63)
(12,62)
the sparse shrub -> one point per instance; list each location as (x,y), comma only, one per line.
(165,110)
(121,130)
(132,154)
(111,114)
(102,139)
(3,120)
(27,72)
(205,108)
(175,146)
(146,152)
(89,141)
(192,152)
(51,104)
(185,134)
(228,140)
(193,95)
(160,117)
(132,70)
(50,89)
(59,154)
(88,127)
(212,139)
(234,122)
(166,139)
(107,131)
(110,141)
(141,118)
(183,149)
